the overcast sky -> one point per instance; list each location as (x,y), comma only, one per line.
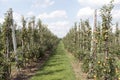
(59,15)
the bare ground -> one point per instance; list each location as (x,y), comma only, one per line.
(30,70)
(76,65)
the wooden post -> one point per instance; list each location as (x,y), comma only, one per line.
(93,47)
(13,37)
(94,34)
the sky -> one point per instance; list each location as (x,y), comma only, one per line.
(59,15)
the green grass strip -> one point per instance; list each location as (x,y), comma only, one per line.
(58,67)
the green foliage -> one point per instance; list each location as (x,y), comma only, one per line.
(33,41)
(100,51)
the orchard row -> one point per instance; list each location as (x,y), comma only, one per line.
(97,47)
(24,45)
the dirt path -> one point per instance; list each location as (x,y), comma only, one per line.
(76,65)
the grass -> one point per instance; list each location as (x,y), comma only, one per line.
(57,67)
(118,63)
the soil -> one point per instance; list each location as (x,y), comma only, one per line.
(30,70)
(76,65)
